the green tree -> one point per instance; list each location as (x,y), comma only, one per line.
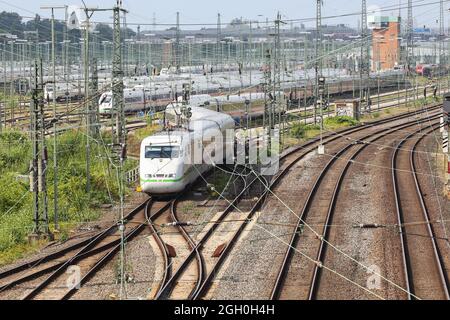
(11,22)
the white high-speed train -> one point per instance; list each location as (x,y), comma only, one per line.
(136,99)
(167,161)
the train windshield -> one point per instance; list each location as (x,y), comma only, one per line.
(160,152)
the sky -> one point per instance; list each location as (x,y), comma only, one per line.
(205,11)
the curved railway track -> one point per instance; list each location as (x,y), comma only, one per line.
(96,250)
(425,274)
(165,293)
(206,268)
(321,214)
(51,262)
(316,280)
(174,233)
(101,247)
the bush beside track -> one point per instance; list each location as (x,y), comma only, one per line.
(75,204)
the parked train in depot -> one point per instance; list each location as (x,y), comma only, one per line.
(168,159)
(431,70)
(218,89)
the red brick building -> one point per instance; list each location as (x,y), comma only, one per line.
(385,42)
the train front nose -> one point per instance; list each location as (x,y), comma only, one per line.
(161,176)
(161,187)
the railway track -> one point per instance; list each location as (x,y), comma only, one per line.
(209,251)
(174,244)
(425,274)
(102,246)
(212,265)
(52,266)
(318,210)
(22,119)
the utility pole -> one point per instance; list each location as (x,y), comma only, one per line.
(34,113)
(268,98)
(176,58)
(277,69)
(55,138)
(364,68)
(39,157)
(119,135)
(441,42)
(93,112)
(318,54)
(219,36)
(126,57)
(319,80)
(117,75)
(11,82)
(89,14)
(409,48)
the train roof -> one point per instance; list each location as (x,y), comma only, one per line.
(164,137)
(198,113)
(207,118)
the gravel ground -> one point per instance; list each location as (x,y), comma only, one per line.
(429,164)
(140,268)
(365,198)
(249,273)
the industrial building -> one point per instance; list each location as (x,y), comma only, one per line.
(385,41)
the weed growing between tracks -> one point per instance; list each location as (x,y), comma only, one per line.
(75,204)
(303,131)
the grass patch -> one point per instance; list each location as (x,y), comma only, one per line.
(300,130)
(191,208)
(333,123)
(75,204)
(136,137)
(219,180)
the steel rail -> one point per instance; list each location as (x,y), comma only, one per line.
(62,252)
(83,243)
(91,245)
(198,256)
(208,281)
(431,232)
(110,254)
(407,265)
(165,291)
(331,209)
(276,291)
(162,247)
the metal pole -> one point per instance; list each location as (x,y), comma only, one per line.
(55,152)
(318,54)
(55,138)
(35,146)
(88,105)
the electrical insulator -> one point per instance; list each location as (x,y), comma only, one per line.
(123,152)
(32,186)
(40,182)
(45,154)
